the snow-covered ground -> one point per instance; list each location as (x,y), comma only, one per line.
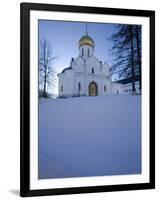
(90,136)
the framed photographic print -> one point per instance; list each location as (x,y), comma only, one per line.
(87,99)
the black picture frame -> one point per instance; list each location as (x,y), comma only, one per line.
(25,9)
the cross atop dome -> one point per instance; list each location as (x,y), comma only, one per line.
(86,30)
(86,39)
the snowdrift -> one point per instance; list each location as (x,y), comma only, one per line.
(89,136)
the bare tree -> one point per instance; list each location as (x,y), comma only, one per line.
(46,73)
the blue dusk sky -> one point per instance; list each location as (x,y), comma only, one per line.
(64,37)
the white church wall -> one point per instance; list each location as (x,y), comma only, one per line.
(60,83)
(77,60)
(124,89)
(93,63)
(78,65)
(127,88)
(66,84)
(117,88)
(106,86)
(70,81)
(86,79)
(105,69)
(80,79)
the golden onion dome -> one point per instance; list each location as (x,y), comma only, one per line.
(86,40)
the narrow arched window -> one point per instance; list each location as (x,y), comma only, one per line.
(61,88)
(82,52)
(104,88)
(88,52)
(92,70)
(79,86)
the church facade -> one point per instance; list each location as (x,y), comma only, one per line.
(86,75)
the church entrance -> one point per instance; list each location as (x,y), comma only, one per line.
(93,89)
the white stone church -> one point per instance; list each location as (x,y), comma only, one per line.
(88,76)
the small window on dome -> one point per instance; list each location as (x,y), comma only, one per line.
(88,52)
(82,52)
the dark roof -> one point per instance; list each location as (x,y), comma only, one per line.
(67,68)
(127,80)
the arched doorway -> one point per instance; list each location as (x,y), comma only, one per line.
(93,89)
